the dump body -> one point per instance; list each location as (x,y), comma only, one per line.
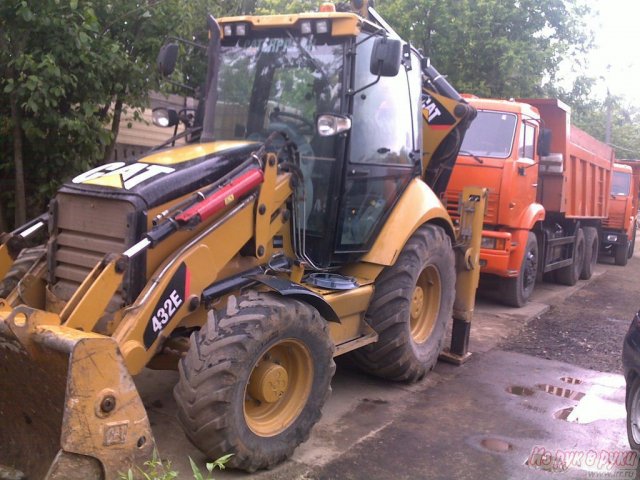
(581,190)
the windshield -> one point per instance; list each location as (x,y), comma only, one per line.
(276,83)
(281,83)
(490,135)
(621,183)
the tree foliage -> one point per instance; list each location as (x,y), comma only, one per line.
(493,48)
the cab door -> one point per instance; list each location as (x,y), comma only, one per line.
(383,149)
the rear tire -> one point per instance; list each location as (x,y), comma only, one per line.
(591,249)
(570,274)
(410,308)
(517,291)
(254,381)
(26,259)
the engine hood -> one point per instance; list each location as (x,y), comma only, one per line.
(156,178)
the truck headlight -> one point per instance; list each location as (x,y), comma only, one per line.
(488,242)
(612,238)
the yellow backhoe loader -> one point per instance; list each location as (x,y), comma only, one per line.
(296,218)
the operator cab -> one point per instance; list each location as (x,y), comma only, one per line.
(356,122)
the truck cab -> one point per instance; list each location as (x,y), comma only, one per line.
(499,152)
(619,228)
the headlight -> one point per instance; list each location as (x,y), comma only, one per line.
(330,124)
(241,29)
(305,27)
(227,31)
(322,26)
(164,117)
(612,238)
(488,242)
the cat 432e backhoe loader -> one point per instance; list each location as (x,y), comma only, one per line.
(299,221)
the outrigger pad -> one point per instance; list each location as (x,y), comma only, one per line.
(68,406)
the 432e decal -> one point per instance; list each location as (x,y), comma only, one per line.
(172,298)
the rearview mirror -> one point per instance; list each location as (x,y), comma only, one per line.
(167,57)
(385,57)
(544,142)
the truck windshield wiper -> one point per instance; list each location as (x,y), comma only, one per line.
(473,155)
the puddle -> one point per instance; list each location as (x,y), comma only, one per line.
(496,445)
(560,392)
(521,391)
(571,380)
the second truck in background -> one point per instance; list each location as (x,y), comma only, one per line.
(549,187)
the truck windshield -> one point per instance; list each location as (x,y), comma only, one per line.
(621,183)
(491,134)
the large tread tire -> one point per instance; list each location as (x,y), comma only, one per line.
(517,291)
(621,254)
(406,351)
(26,259)
(213,389)
(591,250)
(570,274)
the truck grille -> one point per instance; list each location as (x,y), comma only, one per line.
(87,228)
(452,203)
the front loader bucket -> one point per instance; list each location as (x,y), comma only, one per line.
(68,407)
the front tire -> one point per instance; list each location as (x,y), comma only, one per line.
(591,250)
(621,254)
(570,274)
(517,291)
(410,308)
(253,383)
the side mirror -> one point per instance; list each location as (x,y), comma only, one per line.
(385,57)
(544,142)
(167,57)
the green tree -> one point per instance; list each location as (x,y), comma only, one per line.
(496,48)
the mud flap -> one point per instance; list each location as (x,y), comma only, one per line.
(68,406)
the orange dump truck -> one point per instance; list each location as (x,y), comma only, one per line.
(618,235)
(549,185)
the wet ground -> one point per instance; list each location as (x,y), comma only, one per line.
(542,397)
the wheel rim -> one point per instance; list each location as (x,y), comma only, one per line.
(530,269)
(278,388)
(634,415)
(425,304)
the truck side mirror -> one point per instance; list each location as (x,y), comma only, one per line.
(167,57)
(385,57)
(544,142)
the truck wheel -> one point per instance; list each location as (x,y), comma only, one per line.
(621,254)
(410,308)
(633,414)
(254,381)
(26,259)
(570,274)
(632,244)
(591,249)
(517,291)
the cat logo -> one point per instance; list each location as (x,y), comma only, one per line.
(121,175)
